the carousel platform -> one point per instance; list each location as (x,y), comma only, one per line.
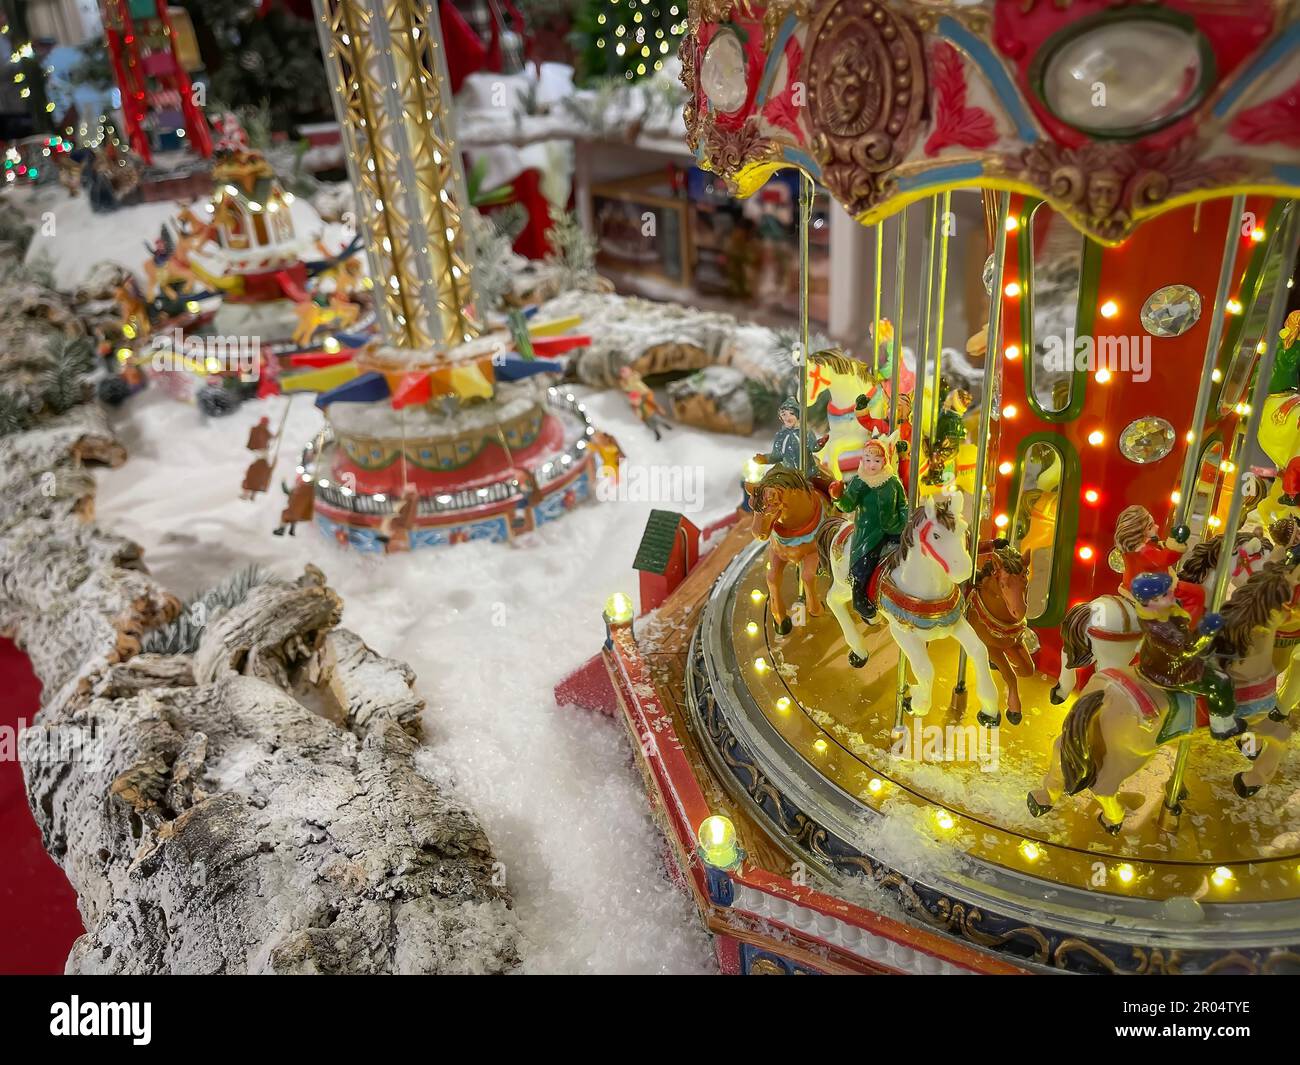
(867,849)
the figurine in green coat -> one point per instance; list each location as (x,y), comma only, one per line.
(878,503)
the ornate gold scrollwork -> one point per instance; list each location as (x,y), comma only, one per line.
(865,71)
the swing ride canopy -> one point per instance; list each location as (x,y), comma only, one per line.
(1112,114)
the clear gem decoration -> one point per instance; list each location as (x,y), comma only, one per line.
(1171,311)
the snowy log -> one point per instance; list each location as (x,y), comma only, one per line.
(254,808)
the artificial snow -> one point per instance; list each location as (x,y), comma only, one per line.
(489,630)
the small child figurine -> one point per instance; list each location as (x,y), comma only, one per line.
(949,433)
(1138,538)
(877,500)
(785,445)
(642,398)
(1172,656)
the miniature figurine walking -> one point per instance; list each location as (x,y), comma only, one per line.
(642,398)
(879,505)
(1173,657)
(1138,539)
(300,506)
(785,445)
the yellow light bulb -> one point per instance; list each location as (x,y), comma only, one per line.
(619,609)
(1221,876)
(1009,411)
(1031,851)
(875,785)
(1012,352)
(783,704)
(1109,309)
(820,746)
(1001,521)
(760,665)
(943,819)
(1012,289)
(717,839)
(1005,468)
(756,595)
(1124,873)
(1102,376)
(752,628)
(1096,438)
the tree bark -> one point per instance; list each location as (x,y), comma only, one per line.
(255,807)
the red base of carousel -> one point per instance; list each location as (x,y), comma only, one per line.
(496,496)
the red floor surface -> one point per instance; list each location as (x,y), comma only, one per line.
(38,908)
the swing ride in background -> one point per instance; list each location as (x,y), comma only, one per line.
(1061,743)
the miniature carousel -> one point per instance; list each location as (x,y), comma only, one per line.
(438,432)
(235,298)
(1038,721)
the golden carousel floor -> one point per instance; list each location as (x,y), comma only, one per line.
(839,721)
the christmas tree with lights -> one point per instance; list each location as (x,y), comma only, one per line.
(627,38)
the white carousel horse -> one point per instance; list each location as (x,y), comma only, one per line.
(919,596)
(847,379)
(1121,720)
(1105,631)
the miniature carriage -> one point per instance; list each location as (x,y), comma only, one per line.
(1133,168)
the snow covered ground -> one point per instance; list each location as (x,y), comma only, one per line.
(489,629)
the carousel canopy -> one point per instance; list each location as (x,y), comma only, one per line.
(1110,111)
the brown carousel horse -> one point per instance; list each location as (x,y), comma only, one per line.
(789,511)
(996,609)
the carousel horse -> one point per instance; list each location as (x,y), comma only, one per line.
(850,425)
(339,313)
(1105,631)
(789,511)
(919,594)
(1121,720)
(996,609)
(1200,562)
(1253,620)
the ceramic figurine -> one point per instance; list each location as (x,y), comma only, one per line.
(257,478)
(395,529)
(1253,621)
(789,511)
(858,407)
(260,435)
(920,596)
(996,608)
(785,445)
(1122,718)
(1173,656)
(1137,537)
(610,454)
(879,505)
(299,506)
(642,398)
(949,433)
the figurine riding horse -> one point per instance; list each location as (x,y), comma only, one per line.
(1105,631)
(996,609)
(1252,620)
(919,593)
(789,511)
(849,381)
(1121,720)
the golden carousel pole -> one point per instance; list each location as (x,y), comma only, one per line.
(388,77)
(1191,462)
(924,316)
(805,281)
(993,346)
(1288,243)
(900,282)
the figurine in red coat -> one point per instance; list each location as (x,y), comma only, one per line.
(1138,538)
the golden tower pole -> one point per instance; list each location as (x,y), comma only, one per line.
(388,77)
